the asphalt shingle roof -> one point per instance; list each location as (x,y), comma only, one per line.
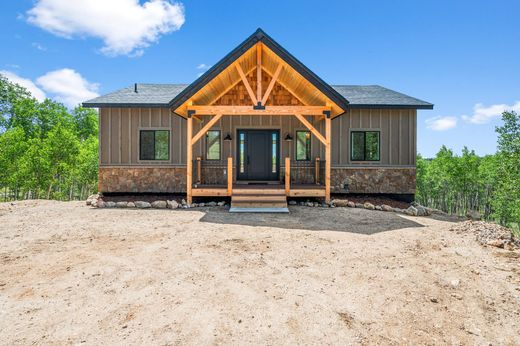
(160,95)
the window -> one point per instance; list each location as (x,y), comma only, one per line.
(303,145)
(364,146)
(154,145)
(213,145)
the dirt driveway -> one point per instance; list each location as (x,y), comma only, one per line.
(70,274)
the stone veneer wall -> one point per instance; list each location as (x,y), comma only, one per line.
(173,180)
(373,180)
(142,179)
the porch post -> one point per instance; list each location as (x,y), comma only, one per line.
(327,155)
(189,158)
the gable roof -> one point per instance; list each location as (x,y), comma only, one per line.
(160,95)
(258,36)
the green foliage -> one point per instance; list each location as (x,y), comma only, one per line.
(489,184)
(507,197)
(45,150)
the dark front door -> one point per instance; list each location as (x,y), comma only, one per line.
(257,155)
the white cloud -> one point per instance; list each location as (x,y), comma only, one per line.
(68,86)
(28,84)
(483,115)
(202,67)
(125,26)
(39,46)
(441,123)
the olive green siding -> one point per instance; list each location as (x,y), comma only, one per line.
(119,135)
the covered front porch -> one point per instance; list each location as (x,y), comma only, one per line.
(259,120)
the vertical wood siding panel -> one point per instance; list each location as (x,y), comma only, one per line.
(114,136)
(385,136)
(156,117)
(105,134)
(394,116)
(165,117)
(335,144)
(125,138)
(182,140)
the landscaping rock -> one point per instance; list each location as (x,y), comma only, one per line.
(489,234)
(309,204)
(91,199)
(292,202)
(421,211)
(412,211)
(351,204)
(341,202)
(183,202)
(159,204)
(378,207)
(359,205)
(99,204)
(172,204)
(142,205)
(194,205)
(121,204)
(202,204)
(130,205)
(398,210)
(110,204)
(221,203)
(212,204)
(473,215)
(368,206)
(386,207)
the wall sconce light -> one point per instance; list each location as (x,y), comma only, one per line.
(228,137)
(288,138)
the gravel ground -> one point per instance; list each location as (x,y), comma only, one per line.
(71,274)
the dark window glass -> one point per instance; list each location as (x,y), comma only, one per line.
(154,145)
(303,145)
(213,145)
(365,146)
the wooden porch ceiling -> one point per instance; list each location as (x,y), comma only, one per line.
(260,59)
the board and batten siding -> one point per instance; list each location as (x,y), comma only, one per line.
(119,135)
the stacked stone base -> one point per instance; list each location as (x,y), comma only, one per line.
(382,180)
(142,179)
(173,180)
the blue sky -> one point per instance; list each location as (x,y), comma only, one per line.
(463,56)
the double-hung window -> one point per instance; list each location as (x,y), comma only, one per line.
(154,145)
(365,146)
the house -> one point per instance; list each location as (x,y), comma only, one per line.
(257,126)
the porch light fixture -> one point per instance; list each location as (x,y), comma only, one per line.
(228,137)
(288,138)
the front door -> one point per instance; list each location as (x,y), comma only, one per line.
(257,155)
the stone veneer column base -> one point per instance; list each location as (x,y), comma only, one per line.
(142,179)
(382,180)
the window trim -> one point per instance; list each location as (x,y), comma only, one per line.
(364,131)
(296,145)
(154,129)
(220,144)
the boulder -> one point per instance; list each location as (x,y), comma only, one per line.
(121,204)
(159,204)
(183,202)
(412,211)
(378,207)
(359,205)
(110,204)
(369,206)
(473,215)
(130,205)
(386,207)
(142,204)
(202,204)
(194,205)
(172,204)
(293,202)
(341,202)
(99,204)
(221,203)
(91,199)
(351,204)
(212,204)
(309,204)
(422,211)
